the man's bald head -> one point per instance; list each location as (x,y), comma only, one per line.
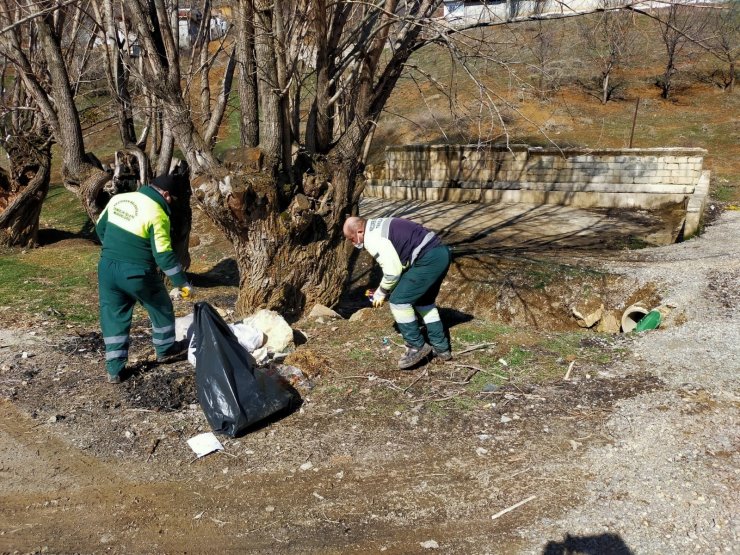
(354,229)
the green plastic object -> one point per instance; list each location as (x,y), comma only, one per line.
(650,321)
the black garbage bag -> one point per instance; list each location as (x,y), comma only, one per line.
(234,394)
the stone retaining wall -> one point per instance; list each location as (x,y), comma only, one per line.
(610,178)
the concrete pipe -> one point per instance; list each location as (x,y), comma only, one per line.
(631,316)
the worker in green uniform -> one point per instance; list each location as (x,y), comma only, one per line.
(414,263)
(134,230)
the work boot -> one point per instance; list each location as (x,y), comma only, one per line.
(177,351)
(414,355)
(443,356)
(114,379)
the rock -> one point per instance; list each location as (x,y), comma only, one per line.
(360,315)
(321,311)
(429,544)
(587,316)
(278,331)
(609,323)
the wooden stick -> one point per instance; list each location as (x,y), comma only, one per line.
(421,375)
(474,348)
(570,367)
(481,370)
(432,399)
(514,506)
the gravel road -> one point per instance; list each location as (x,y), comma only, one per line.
(669,481)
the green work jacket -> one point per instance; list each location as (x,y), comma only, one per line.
(135,228)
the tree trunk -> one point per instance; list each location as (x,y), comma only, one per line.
(23,190)
(731,84)
(288,259)
(605,88)
(249,120)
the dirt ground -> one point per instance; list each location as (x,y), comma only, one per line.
(637,452)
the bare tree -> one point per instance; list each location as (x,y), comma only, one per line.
(724,39)
(608,40)
(27,141)
(48,81)
(680,25)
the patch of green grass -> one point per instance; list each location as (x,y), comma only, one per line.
(724,193)
(564,345)
(540,278)
(229,136)
(63,211)
(55,283)
(517,357)
(473,333)
(356,353)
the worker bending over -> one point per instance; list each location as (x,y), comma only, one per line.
(414,263)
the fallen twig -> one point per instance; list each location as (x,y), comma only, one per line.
(435,400)
(152,448)
(514,506)
(474,348)
(421,375)
(476,370)
(570,367)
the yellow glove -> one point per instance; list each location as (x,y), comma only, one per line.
(187,291)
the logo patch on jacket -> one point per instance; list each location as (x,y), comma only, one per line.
(125,209)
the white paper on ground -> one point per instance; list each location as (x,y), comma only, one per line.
(205,443)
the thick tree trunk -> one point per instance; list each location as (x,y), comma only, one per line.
(288,259)
(23,190)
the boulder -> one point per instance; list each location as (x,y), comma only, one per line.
(609,323)
(278,331)
(361,315)
(321,311)
(588,316)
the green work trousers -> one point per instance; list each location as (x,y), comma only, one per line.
(416,292)
(120,286)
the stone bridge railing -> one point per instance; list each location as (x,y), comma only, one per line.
(637,178)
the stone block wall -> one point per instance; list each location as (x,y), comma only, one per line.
(636,178)
(461,165)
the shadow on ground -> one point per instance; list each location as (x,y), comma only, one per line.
(602,544)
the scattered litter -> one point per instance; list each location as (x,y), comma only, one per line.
(502,362)
(199,515)
(269,509)
(480,451)
(649,322)
(306,466)
(203,444)
(317,496)
(514,506)
(294,376)
(429,544)
(505,419)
